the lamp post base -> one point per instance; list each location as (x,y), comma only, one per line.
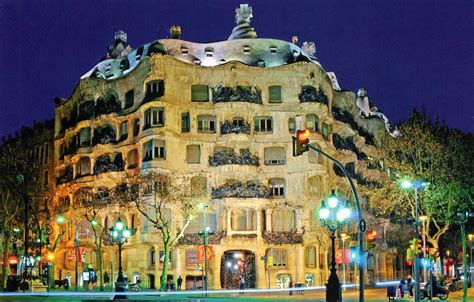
(121,286)
(333,291)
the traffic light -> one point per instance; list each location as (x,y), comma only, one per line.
(353,254)
(300,142)
(371,236)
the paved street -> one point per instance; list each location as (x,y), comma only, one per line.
(349,295)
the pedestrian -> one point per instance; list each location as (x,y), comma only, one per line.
(291,286)
(402,286)
(242,284)
(410,284)
(180,281)
(168,285)
(106,279)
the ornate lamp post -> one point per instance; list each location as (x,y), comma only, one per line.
(332,214)
(417,185)
(205,233)
(119,234)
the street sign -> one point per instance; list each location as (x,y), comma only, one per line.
(200,252)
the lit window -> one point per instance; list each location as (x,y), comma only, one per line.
(312,122)
(207,123)
(154,117)
(283,220)
(277,187)
(263,124)
(199,93)
(280,256)
(154,149)
(193,154)
(275,156)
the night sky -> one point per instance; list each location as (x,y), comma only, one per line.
(406,53)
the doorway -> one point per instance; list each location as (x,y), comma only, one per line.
(236,264)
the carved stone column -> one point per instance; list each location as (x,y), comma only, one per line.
(268,220)
(157,266)
(216,271)
(229,221)
(178,264)
(299,265)
(298,219)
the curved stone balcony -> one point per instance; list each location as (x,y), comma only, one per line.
(288,237)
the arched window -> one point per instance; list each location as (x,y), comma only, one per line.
(311,256)
(83,166)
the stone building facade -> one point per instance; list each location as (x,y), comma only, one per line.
(221,114)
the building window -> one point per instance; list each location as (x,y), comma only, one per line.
(312,122)
(154,149)
(311,256)
(275,156)
(123,130)
(83,166)
(315,158)
(86,110)
(46,153)
(132,159)
(85,137)
(280,256)
(238,121)
(209,51)
(274,94)
(277,187)
(283,220)
(185,122)
(199,93)
(154,117)
(207,123)
(244,220)
(322,258)
(198,186)
(154,89)
(129,98)
(136,127)
(326,132)
(292,125)
(46,177)
(193,154)
(191,258)
(153,256)
(197,224)
(263,124)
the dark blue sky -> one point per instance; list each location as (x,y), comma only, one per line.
(406,53)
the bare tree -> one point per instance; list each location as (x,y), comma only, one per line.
(155,196)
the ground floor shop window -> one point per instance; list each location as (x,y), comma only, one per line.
(309,279)
(283,280)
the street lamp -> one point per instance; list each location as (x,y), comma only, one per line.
(204,233)
(119,234)
(333,216)
(423,219)
(344,236)
(470,254)
(417,185)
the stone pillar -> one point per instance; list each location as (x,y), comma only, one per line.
(157,266)
(299,265)
(261,272)
(298,219)
(268,220)
(178,264)
(259,223)
(216,271)
(229,221)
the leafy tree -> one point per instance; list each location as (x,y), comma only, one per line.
(431,152)
(155,196)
